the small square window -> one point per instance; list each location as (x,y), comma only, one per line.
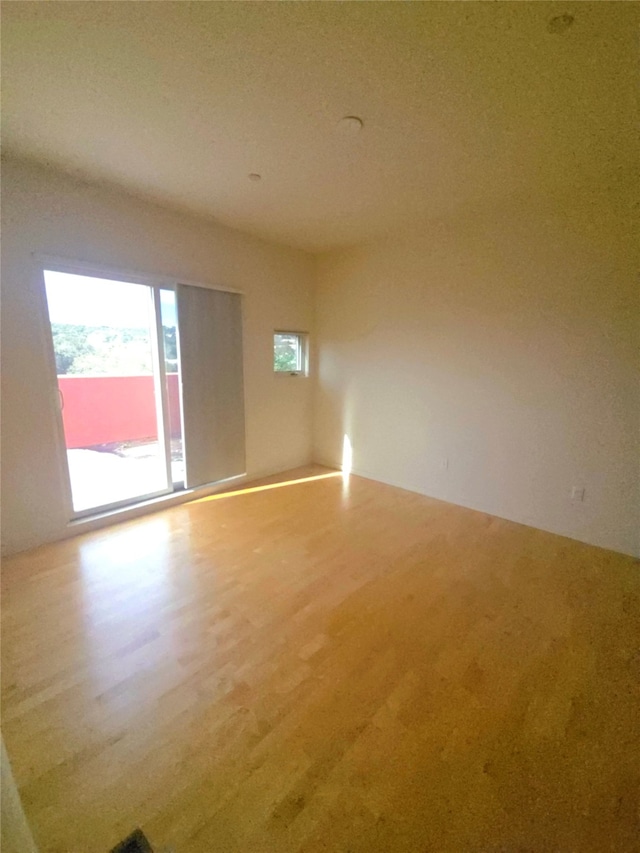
(289,354)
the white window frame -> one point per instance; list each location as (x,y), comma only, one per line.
(303,353)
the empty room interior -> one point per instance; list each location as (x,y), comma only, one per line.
(320,427)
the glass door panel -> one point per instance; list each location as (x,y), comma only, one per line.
(106,352)
(169,317)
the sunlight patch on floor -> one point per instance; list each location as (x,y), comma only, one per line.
(252,489)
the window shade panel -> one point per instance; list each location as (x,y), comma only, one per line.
(210,331)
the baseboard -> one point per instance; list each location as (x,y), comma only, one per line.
(100,521)
(368,475)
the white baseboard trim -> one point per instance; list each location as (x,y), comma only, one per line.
(99,521)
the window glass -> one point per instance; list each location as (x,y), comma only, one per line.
(287,352)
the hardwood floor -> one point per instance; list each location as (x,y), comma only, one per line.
(325,666)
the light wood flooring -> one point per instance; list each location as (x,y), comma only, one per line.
(325,666)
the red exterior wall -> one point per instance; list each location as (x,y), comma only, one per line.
(109,409)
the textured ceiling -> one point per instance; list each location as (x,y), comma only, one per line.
(465,105)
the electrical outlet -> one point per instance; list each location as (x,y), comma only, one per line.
(577,494)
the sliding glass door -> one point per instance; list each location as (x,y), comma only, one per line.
(145,409)
(116,354)
(169,319)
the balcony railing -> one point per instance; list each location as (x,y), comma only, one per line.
(99,410)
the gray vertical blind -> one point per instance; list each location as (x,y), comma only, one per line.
(210,331)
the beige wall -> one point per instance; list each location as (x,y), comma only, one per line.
(506,343)
(44,211)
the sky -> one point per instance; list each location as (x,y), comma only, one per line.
(81,300)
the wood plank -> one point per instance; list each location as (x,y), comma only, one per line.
(326,665)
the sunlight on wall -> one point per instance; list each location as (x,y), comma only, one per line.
(347,462)
(347,455)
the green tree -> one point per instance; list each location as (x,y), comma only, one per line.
(69,343)
(285,361)
(101,350)
(285,352)
(170,343)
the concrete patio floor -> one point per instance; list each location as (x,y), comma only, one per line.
(102,477)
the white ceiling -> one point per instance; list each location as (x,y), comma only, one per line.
(464,105)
